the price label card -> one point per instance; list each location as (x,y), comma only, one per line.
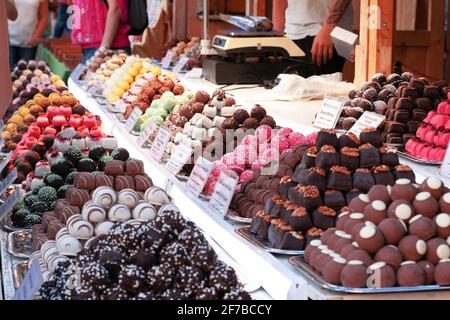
(93,89)
(199,176)
(77,72)
(31,283)
(145,135)
(180,65)
(367,120)
(9,180)
(167,60)
(181,155)
(5,158)
(9,203)
(224,191)
(160,144)
(131,121)
(329,114)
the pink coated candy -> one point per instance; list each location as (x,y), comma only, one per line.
(429,137)
(66,111)
(246,175)
(264,134)
(312,138)
(52,111)
(209,186)
(285,132)
(447,125)
(422,131)
(271,154)
(96,131)
(89,121)
(296,139)
(76,121)
(258,164)
(445,139)
(239,169)
(280,142)
(50,130)
(59,121)
(430,116)
(425,152)
(42,121)
(34,131)
(443,107)
(439,121)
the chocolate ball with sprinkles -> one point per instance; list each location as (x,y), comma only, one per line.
(191,238)
(223,278)
(174,254)
(53,180)
(190,279)
(61,166)
(102,162)
(115,294)
(95,275)
(73,154)
(47,194)
(120,154)
(132,278)
(161,277)
(31,220)
(207,294)
(204,257)
(86,165)
(97,152)
(70,179)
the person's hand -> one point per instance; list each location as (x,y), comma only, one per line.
(32,42)
(322,49)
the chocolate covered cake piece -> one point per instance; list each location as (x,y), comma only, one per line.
(404,172)
(350,158)
(327,157)
(369,156)
(349,140)
(371,136)
(307,197)
(312,177)
(260,225)
(339,178)
(334,199)
(389,157)
(309,159)
(327,137)
(383,175)
(324,218)
(363,180)
(313,234)
(286,183)
(300,220)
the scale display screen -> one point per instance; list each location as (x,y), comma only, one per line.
(219,42)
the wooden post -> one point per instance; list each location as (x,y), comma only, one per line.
(374,53)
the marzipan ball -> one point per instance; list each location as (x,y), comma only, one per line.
(376,212)
(333,269)
(401,209)
(358,204)
(353,220)
(426,205)
(410,274)
(403,190)
(422,227)
(429,268)
(412,248)
(444,203)
(342,219)
(443,225)
(344,240)
(360,255)
(437,250)
(312,249)
(357,227)
(370,239)
(434,186)
(442,273)
(381,276)
(381,193)
(348,249)
(326,235)
(354,275)
(391,255)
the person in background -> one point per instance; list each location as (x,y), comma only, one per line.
(310,23)
(103,24)
(7,11)
(61,18)
(26,31)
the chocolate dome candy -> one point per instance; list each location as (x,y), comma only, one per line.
(352,221)
(375,212)
(442,273)
(94,213)
(120,154)
(80,228)
(412,248)
(77,197)
(73,154)
(357,228)
(370,239)
(96,152)
(381,193)
(360,255)
(401,209)
(426,205)
(333,269)
(102,180)
(354,275)
(104,196)
(422,227)
(156,196)
(437,250)
(343,240)
(119,212)
(390,255)
(86,181)
(410,274)
(358,204)
(403,190)
(312,249)
(341,220)
(134,167)
(443,225)
(433,186)
(124,182)
(429,268)
(382,276)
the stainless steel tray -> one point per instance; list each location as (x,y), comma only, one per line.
(182,177)
(300,264)
(135,133)
(121,118)
(6,224)
(20,244)
(407,156)
(245,233)
(204,196)
(19,271)
(234,216)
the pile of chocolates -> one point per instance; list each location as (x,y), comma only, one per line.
(404,100)
(101,65)
(167,258)
(328,177)
(391,236)
(433,136)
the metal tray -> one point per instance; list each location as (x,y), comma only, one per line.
(121,118)
(182,176)
(135,133)
(300,264)
(20,244)
(204,196)
(407,156)
(245,233)
(19,271)
(6,224)
(234,216)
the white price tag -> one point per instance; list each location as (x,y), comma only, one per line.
(199,176)
(9,203)
(93,89)
(167,60)
(224,191)
(180,65)
(77,72)
(131,121)
(445,167)
(31,283)
(367,120)
(9,180)
(145,135)
(160,144)
(329,114)
(181,155)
